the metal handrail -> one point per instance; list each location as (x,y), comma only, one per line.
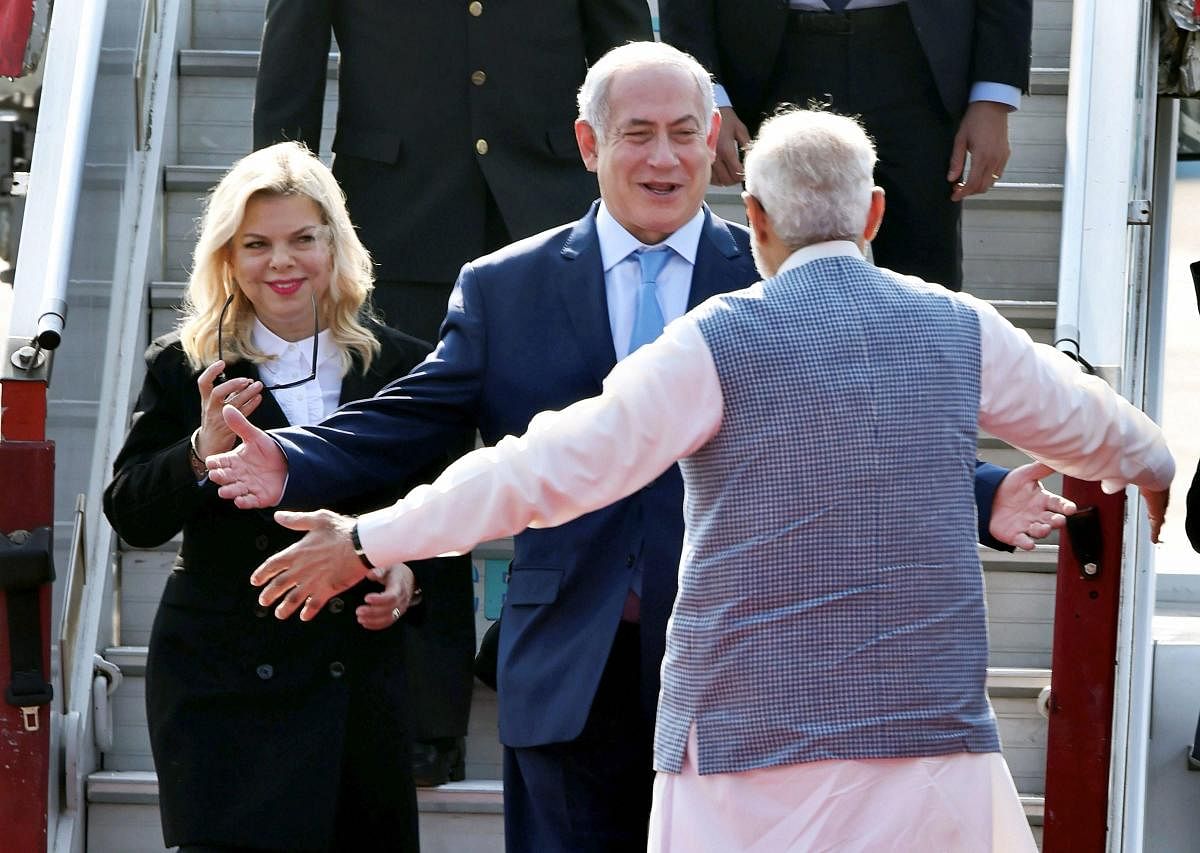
(39,309)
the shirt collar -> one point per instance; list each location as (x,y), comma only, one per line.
(817,251)
(616,243)
(271,344)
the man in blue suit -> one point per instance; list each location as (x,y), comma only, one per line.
(538,325)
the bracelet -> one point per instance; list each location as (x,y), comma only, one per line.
(198,467)
(356,543)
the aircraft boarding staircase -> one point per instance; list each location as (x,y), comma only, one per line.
(1011,244)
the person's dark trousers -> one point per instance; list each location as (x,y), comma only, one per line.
(870,64)
(592,794)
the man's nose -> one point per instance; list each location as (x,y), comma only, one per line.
(662,151)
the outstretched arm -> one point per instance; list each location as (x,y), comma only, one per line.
(660,404)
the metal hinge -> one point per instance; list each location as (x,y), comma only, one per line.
(1139,212)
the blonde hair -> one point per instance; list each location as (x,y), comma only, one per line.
(286,169)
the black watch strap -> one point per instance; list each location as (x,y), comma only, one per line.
(356,543)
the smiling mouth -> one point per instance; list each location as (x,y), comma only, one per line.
(660,188)
(285,288)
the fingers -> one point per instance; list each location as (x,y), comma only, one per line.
(241,427)
(958,156)
(1024,542)
(727,169)
(207,377)
(301,520)
(1156,511)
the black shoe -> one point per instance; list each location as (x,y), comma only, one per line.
(438,761)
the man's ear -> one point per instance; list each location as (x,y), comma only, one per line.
(714,132)
(874,214)
(585,138)
(756,215)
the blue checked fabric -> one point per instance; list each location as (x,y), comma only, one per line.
(648,317)
(831,598)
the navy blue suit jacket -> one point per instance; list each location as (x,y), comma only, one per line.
(527,330)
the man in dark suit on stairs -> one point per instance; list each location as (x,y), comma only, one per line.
(454,136)
(932,81)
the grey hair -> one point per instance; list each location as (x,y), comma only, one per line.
(812,171)
(593,94)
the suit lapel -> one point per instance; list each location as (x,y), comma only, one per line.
(581,289)
(715,271)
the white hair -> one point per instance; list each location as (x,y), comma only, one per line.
(811,171)
(637,55)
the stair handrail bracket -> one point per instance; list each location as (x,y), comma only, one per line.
(1111,309)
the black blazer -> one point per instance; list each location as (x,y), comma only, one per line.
(248,714)
(420,85)
(965,41)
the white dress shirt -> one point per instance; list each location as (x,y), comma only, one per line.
(312,401)
(622,273)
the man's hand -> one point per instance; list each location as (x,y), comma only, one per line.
(1023,511)
(1156,510)
(383,609)
(727,168)
(982,133)
(308,573)
(253,473)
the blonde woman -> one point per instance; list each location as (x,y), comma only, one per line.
(267,735)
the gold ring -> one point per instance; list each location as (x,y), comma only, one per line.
(395,614)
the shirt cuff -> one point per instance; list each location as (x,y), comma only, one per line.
(1001,93)
(720,96)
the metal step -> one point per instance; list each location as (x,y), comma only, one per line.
(467,815)
(1013,690)
(461,817)
(1010,235)
(237,25)
(216,98)
(1019,587)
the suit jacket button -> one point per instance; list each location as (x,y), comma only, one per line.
(481,146)
(337,669)
(336,605)
(630,560)
(478,78)
(265,671)
(261,612)
(261,542)
(475,8)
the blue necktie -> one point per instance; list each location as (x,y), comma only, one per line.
(837,5)
(648,319)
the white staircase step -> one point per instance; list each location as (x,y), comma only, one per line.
(216,97)
(461,817)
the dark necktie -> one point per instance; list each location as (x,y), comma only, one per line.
(836,5)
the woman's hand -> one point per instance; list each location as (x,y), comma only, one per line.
(383,609)
(214,436)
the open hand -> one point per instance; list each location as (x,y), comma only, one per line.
(1023,511)
(253,473)
(306,574)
